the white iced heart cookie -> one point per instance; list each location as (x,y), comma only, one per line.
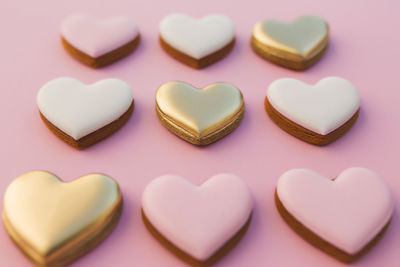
(197,42)
(98,42)
(197,222)
(344,217)
(318,114)
(54,222)
(297,44)
(84,114)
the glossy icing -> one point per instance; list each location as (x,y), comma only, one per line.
(197,37)
(347,212)
(96,37)
(321,108)
(303,36)
(197,219)
(78,109)
(48,213)
(199,110)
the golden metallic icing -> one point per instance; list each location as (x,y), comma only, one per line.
(199,111)
(301,39)
(47,217)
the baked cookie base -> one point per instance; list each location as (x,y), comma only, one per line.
(94,137)
(320,243)
(72,250)
(194,139)
(274,56)
(105,59)
(305,134)
(197,63)
(230,244)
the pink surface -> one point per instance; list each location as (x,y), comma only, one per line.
(364,49)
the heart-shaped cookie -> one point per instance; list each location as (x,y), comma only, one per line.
(97,42)
(344,217)
(296,45)
(199,116)
(197,42)
(198,223)
(54,222)
(318,114)
(84,114)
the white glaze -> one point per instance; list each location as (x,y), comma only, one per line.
(197,37)
(96,37)
(78,109)
(321,108)
(347,212)
(197,219)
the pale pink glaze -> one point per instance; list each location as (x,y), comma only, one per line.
(348,212)
(96,37)
(197,219)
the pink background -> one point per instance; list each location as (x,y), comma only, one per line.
(364,49)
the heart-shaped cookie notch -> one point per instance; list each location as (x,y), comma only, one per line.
(199,116)
(96,42)
(295,45)
(344,217)
(54,222)
(197,42)
(82,115)
(199,224)
(318,114)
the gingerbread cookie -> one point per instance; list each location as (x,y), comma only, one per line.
(295,45)
(53,222)
(197,223)
(199,116)
(197,43)
(98,43)
(82,115)
(318,114)
(344,217)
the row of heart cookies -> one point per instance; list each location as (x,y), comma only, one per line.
(196,42)
(82,115)
(55,222)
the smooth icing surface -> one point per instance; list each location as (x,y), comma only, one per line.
(200,110)
(197,37)
(197,219)
(301,36)
(78,109)
(347,212)
(96,37)
(47,212)
(321,108)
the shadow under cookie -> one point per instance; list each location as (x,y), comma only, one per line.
(193,62)
(305,134)
(320,243)
(222,251)
(179,130)
(93,137)
(105,59)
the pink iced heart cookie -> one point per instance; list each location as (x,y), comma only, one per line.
(98,42)
(344,217)
(198,223)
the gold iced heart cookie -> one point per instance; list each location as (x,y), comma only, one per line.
(296,45)
(54,222)
(199,116)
